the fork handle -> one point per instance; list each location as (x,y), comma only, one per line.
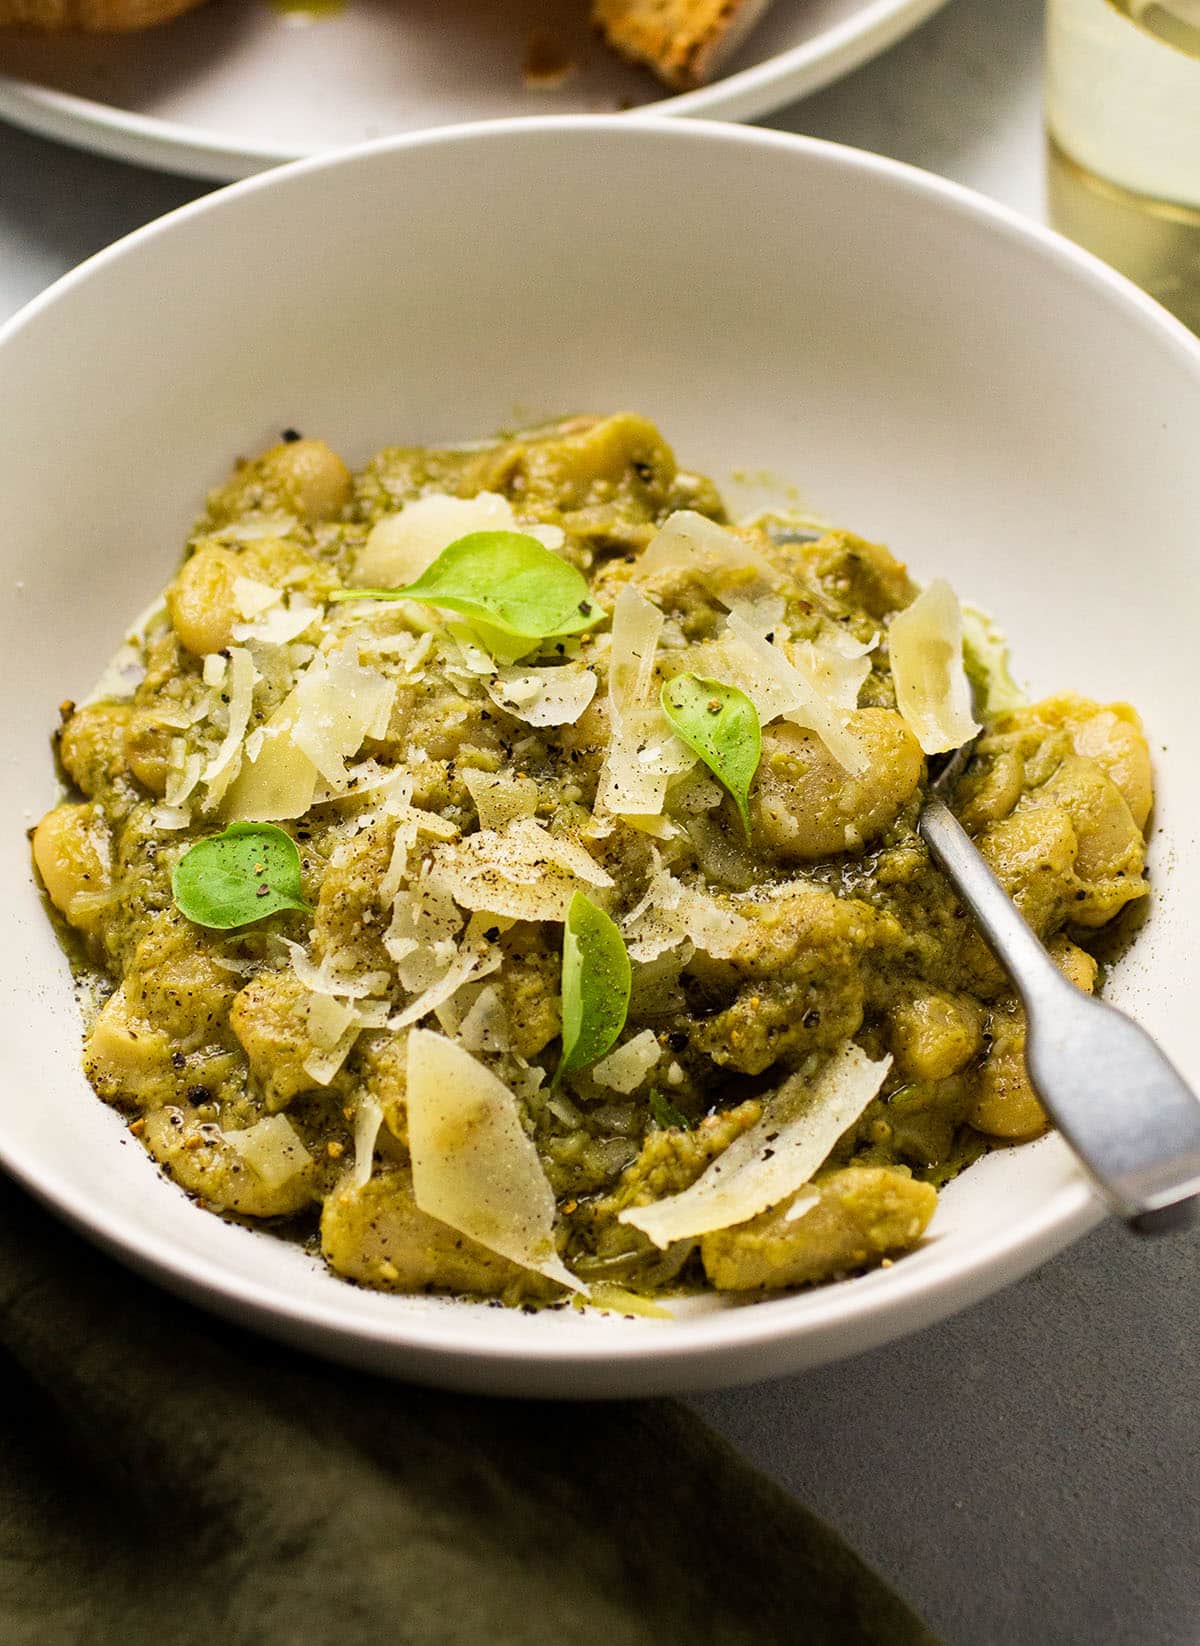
(1116,1098)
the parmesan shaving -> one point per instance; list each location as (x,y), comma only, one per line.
(800,1125)
(326,1019)
(472,963)
(170,818)
(225,764)
(214,669)
(467,656)
(933,694)
(412,823)
(550,537)
(421,937)
(411,649)
(779,686)
(643,752)
(277,780)
(636,626)
(339,704)
(473,1165)
(724,562)
(367,1120)
(323,979)
(500,797)
(181,720)
(524,871)
(485,1027)
(373,1014)
(643,756)
(272,1148)
(802,1203)
(182,777)
(335,705)
(252,528)
(333,1027)
(280,625)
(626,1068)
(251,598)
(403,841)
(554,696)
(670,913)
(321,1066)
(401,546)
(838,665)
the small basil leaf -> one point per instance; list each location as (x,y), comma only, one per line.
(595,986)
(231,879)
(665,1115)
(720,724)
(506,580)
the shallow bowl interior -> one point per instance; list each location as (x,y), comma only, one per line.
(923,368)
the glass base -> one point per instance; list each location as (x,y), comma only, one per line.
(1155,242)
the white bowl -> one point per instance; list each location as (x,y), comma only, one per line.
(927,368)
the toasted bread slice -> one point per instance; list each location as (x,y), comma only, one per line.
(88,16)
(683,41)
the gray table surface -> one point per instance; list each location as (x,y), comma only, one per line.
(1030,1471)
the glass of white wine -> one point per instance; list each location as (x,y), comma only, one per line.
(1123,119)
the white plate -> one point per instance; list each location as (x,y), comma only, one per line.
(237,86)
(1001,408)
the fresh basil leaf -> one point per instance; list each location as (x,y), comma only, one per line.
(720,724)
(595,986)
(665,1115)
(231,879)
(505,580)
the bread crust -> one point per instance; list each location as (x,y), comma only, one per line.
(683,41)
(88,16)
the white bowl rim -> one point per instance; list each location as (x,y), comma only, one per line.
(704,1349)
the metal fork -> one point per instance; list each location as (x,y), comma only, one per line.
(1113,1094)
(1117,1099)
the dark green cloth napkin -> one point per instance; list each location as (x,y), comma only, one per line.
(169,1479)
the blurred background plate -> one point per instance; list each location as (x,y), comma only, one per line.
(240,85)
